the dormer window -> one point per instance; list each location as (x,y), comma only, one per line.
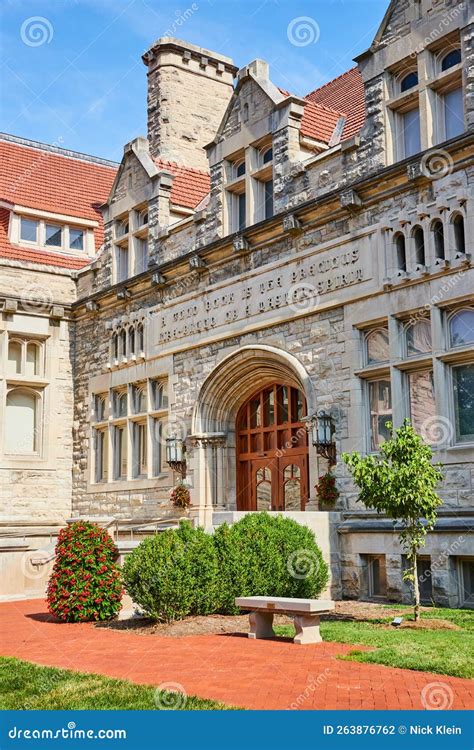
(53,236)
(409,82)
(76,239)
(29,230)
(451,59)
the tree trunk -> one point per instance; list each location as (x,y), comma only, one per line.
(416,585)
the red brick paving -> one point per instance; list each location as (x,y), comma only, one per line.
(233,669)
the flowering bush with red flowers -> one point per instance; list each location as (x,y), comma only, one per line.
(180,496)
(86,583)
(326,490)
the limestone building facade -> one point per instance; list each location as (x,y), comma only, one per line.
(264,257)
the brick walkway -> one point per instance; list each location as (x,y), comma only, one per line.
(231,669)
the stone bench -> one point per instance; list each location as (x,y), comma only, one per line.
(305,614)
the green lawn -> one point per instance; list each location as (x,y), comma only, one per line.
(28,686)
(449,652)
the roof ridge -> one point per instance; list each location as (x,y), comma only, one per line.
(57,150)
(333,80)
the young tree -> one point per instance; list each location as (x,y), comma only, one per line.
(401,483)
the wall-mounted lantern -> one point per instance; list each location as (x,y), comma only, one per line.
(175,454)
(322,431)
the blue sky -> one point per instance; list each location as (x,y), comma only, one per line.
(71,70)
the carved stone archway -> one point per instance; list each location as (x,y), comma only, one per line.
(227,387)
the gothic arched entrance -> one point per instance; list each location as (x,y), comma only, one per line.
(272,450)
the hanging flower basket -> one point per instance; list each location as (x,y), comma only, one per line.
(326,489)
(180,496)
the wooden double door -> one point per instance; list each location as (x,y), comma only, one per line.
(272,450)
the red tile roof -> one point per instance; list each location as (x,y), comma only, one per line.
(319,122)
(37,178)
(190,186)
(344,94)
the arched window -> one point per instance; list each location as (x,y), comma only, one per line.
(459,235)
(122,228)
(438,235)
(140,338)
(267,155)
(21,421)
(400,250)
(451,59)
(418,337)
(120,404)
(139,399)
(419,241)
(143,218)
(99,408)
(131,340)
(115,346)
(376,343)
(123,343)
(240,169)
(409,81)
(33,356)
(461,327)
(14,357)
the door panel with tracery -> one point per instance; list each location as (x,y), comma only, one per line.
(272,450)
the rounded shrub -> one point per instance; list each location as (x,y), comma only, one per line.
(174,574)
(268,555)
(85,582)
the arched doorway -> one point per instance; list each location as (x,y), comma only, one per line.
(272,450)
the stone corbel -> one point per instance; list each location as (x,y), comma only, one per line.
(196,263)
(240,244)
(350,199)
(10,305)
(291,224)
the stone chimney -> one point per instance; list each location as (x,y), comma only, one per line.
(189,89)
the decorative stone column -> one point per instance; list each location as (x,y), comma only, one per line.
(211,480)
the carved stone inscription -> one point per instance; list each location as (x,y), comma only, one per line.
(299,286)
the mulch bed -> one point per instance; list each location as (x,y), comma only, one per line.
(216,624)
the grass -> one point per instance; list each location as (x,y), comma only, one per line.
(28,686)
(449,652)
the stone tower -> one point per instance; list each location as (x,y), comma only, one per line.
(189,89)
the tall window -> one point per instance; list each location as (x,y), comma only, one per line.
(419,241)
(400,251)
(141,255)
(438,237)
(101,455)
(268,191)
(140,450)
(122,263)
(380,406)
(463,387)
(411,132)
(453,110)
(422,403)
(120,451)
(240,208)
(459,235)
(22,422)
